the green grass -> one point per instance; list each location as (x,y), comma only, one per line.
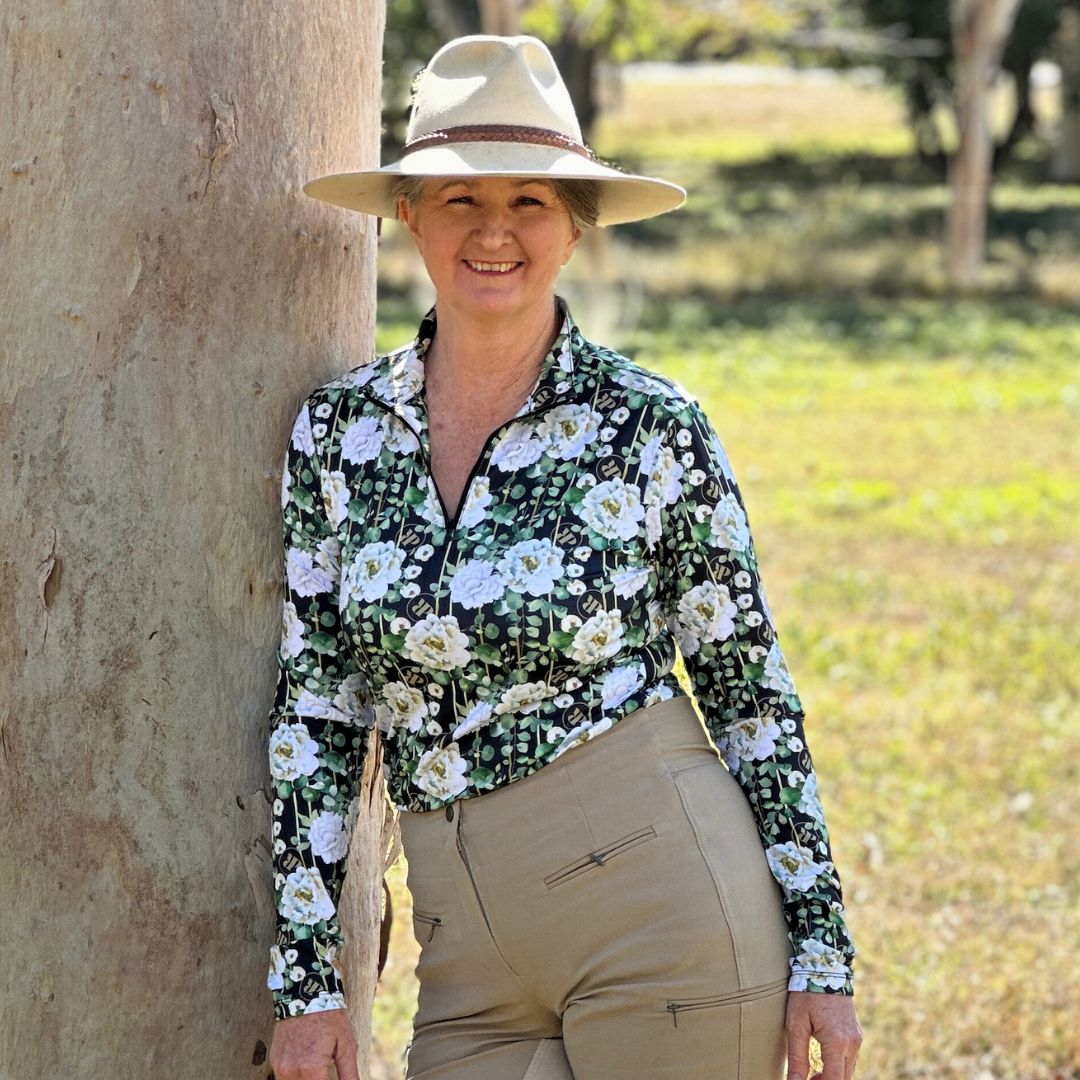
(910,463)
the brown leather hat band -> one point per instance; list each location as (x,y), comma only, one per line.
(498,133)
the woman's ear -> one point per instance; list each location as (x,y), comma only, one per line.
(406,214)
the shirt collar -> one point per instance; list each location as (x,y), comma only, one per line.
(400,382)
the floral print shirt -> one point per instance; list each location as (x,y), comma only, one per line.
(601,527)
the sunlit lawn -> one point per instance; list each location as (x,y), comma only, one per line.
(911,468)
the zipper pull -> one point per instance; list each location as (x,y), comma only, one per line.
(673,1008)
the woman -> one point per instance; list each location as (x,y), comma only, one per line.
(495,538)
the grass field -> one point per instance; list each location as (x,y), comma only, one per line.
(910,462)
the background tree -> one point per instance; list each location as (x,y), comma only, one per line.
(170,297)
(929,77)
(980,28)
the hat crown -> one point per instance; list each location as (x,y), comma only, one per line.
(484,79)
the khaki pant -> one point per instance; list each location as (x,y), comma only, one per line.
(610,916)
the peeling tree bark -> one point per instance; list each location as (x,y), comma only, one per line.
(170,297)
(980,29)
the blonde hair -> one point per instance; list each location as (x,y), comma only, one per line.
(581,197)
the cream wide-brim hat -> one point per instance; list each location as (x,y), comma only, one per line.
(496,106)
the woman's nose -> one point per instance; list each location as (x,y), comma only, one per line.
(493,229)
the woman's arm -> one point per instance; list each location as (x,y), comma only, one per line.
(716,606)
(318,741)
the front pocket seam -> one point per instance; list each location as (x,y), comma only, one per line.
(736,997)
(599,857)
(428,919)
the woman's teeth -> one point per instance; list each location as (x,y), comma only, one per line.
(491,268)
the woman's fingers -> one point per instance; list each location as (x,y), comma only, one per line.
(345,1063)
(829,1018)
(798,1041)
(303,1047)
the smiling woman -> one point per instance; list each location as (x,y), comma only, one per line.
(493,247)
(498,537)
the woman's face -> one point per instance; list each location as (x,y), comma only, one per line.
(493,245)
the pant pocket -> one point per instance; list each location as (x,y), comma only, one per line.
(425,924)
(683,1005)
(728,840)
(600,857)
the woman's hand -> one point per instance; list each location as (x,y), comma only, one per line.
(303,1047)
(831,1019)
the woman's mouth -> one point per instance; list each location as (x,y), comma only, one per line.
(491,267)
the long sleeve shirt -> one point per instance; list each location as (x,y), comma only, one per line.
(600,528)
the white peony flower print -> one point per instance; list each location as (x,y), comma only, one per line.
(292,631)
(524,698)
(363,440)
(335,496)
(581,734)
(325,1002)
(309,704)
(401,707)
(750,739)
(437,642)
(598,638)
(403,380)
(301,438)
(328,836)
(793,866)
(825,962)
(612,509)
(705,613)
(664,472)
(360,376)
(304,899)
(476,503)
(658,693)
(347,698)
(809,800)
(275,979)
(728,524)
(620,683)
(516,449)
(293,752)
(568,429)
(374,568)
(305,576)
(441,772)
(476,583)
(480,715)
(627,583)
(286,482)
(653,525)
(776,674)
(399,432)
(532,566)
(328,556)
(640,381)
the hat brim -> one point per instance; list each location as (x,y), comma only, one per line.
(624,196)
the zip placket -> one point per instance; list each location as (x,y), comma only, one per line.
(451,526)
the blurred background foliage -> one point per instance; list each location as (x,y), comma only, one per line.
(908,452)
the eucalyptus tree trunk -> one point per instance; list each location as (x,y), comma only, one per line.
(1065,165)
(500,17)
(980,29)
(169,298)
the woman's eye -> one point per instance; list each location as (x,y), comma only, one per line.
(460,199)
(530,200)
